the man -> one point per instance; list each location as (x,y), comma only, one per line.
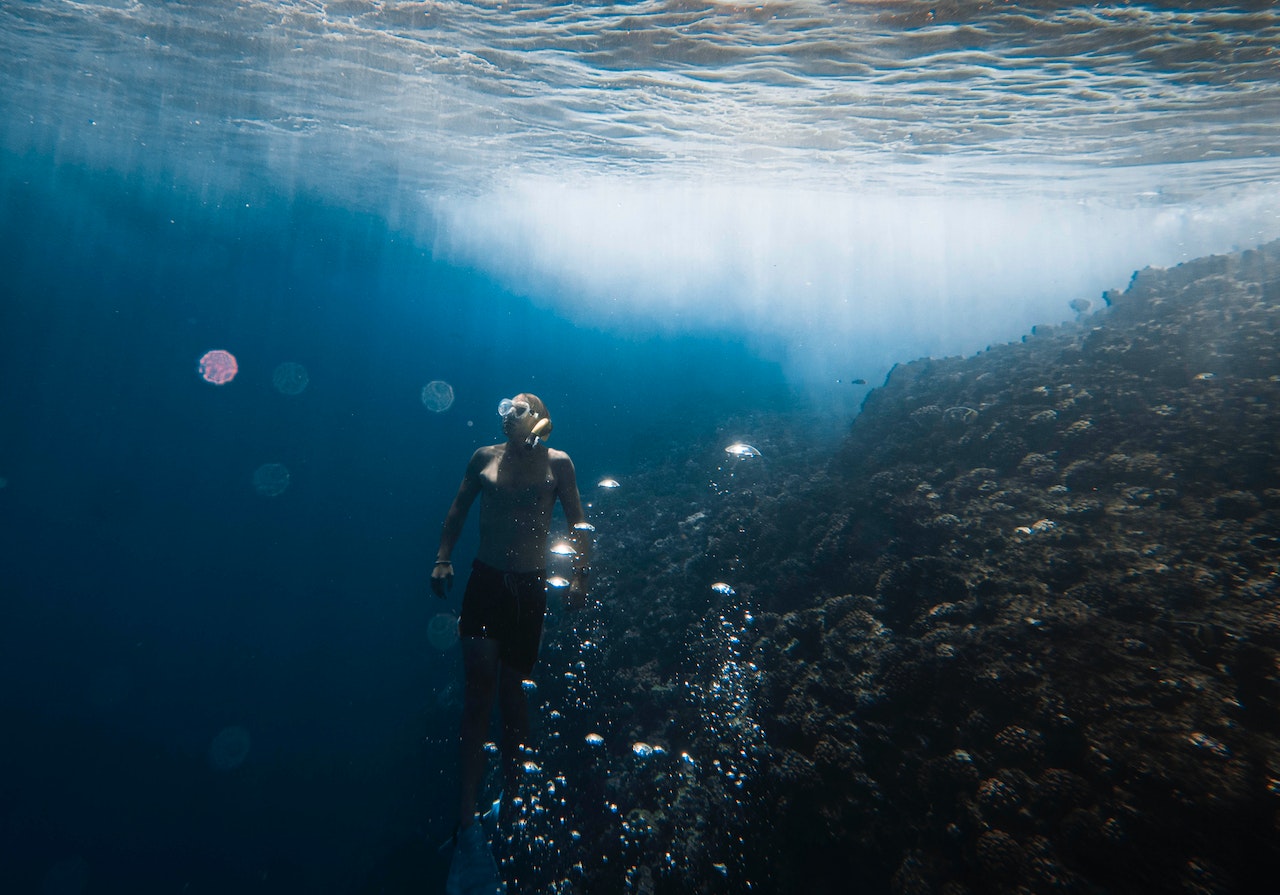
(518,484)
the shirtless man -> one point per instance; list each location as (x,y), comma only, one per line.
(518,484)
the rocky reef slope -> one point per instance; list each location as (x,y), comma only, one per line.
(1021,634)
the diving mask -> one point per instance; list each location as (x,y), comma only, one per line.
(507,407)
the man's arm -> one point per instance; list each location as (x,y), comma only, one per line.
(442,571)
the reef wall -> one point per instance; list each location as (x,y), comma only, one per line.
(1020,633)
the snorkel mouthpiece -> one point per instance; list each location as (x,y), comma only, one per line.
(541,427)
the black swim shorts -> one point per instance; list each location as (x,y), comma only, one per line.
(507,607)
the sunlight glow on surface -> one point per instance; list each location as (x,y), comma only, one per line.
(818,278)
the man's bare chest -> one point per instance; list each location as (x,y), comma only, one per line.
(518,485)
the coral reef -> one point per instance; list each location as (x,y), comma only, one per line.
(1020,632)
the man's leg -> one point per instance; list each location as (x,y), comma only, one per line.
(515,736)
(480,664)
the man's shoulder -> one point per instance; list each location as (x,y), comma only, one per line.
(556,456)
(485,454)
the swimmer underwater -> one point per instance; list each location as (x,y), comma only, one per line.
(518,483)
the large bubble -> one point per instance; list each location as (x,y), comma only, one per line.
(270,479)
(290,378)
(229,748)
(437,395)
(218,367)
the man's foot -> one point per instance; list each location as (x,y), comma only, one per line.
(473,870)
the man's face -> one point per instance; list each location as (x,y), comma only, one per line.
(518,417)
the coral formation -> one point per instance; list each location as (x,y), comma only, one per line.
(1019,632)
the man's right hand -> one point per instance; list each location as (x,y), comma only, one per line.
(441,578)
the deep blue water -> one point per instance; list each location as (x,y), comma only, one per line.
(152,597)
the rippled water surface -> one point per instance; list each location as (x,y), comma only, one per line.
(453,96)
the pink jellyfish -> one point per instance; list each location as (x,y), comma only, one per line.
(219,367)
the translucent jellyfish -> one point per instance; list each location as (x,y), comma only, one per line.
(437,395)
(229,748)
(741,451)
(442,630)
(608,483)
(594,739)
(290,378)
(557,581)
(563,548)
(724,589)
(219,367)
(270,479)
(642,750)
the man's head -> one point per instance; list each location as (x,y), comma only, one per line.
(523,416)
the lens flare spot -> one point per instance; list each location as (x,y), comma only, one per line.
(271,479)
(442,630)
(218,367)
(437,396)
(229,748)
(290,378)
